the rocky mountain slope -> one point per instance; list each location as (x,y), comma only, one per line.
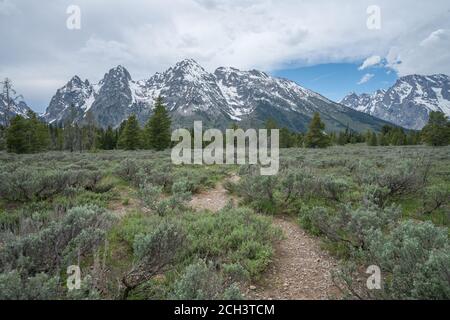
(15,107)
(408,102)
(191,93)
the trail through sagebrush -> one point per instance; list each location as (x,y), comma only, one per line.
(300,269)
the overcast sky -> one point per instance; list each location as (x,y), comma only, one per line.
(40,54)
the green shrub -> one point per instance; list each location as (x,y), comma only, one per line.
(127,169)
(436,197)
(39,287)
(433,280)
(406,260)
(235,272)
(233,236)
(150,195)
(259,192)
(200,281)
(75,234)
(152,198)
(352,226)
(400,177)
(153,253)
(334,188)
(414,262)
(31,184)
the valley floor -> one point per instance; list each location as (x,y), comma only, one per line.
(225,232)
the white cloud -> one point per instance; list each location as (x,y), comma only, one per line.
(435,37)
(149,36)
(366,78)
(428,55)
(370,62)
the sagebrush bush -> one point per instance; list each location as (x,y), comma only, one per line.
(399,177)
(13,286)
(350,225)
(77,233)
(413,258)
(236,235)
(333,188)
(409,256)
(150,195)
(436,197)
(200,281)
(153,253)
(295,184)
(30,184)
(259,192)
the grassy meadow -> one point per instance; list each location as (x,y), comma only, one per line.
(125,219)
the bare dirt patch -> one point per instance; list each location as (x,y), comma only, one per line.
(213,199)
(125,203)
(300,270)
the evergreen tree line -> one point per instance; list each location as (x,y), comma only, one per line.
(30,135)
(435,133)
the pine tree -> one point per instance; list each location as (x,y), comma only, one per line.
(37,134)
(108,139)
(157,130)
(27,135)
(59,138)
(382,140)
(90,132)
(437,131)
(371,139)
(342,139)
(16,136)
(413,138)
(130,138)
(70,134)
(316,136)
(2,138)
(78,137)
(286,138)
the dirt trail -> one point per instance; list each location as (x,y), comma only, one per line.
(300,269)
(125,203)
(213,199)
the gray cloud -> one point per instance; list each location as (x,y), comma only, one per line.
(40,54)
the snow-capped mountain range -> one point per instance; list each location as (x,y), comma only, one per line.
(16,107)
(408,102)
(191,93)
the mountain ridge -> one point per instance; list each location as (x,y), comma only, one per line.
(191,93)
(408,102)
(16,107)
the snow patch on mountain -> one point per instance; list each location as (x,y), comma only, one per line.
(192,93)
(408,102)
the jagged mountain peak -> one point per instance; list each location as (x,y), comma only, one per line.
(76,83)
(192,93)
(187,70)
(75,80)
(408,102)
(116,74)
(15,107)
(188,64)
